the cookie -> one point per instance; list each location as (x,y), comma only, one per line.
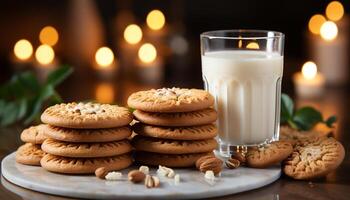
(86,115)
(171,100)
(86,150)
(84,165)
(33,134)
(194,118)
(29,154)
(314,157)
(87,135)
(292,135)
(177,133)
(169,160)
(165,146)
(269,154)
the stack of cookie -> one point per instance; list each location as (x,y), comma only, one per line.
(30,153)
(85,136)
(176,126)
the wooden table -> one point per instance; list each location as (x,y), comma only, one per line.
(335,185)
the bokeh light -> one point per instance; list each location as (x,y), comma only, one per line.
(44,54)
(133,34)
(104,93)
(48,35)
(315,23)
(329,30)
(335,11)
(155,19)
(23,49)
(309,70)
(147,53)
(104,56)
(252,45)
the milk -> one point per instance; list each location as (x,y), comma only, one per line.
(246,85)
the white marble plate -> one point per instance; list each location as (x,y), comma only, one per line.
(192,185)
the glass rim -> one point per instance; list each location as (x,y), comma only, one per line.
(211,34)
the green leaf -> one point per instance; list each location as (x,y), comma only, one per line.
(58,75)
(45,94)
(287,107)
(9,114)
(22,108)
(307,117)
(29,80)
(330,121)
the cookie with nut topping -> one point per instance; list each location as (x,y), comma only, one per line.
(314,157)
(171,100)
(86,115)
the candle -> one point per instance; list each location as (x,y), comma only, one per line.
(48,35)
(149,65)
(309,83)
(22,53)
(45,61)
(156,28)
(105,62)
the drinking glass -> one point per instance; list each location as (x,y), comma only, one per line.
(243,70)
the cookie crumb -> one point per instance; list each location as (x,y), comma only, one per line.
(114,176)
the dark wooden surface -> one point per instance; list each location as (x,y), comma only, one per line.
(335,185)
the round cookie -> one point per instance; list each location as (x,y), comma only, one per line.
(314,157)
(177,133)
(86,115)
(169,160)
(171,100)
(165,146)
(87,135)
(29,154)
(84,165)
(194,118)
(269,154)
(33,134)
(86,150)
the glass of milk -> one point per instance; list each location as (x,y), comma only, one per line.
(243,70)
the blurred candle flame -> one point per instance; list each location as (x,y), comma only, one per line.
(315,23)
(133,34)
(23,49)
(104,57)
(48,35)
(155,20)
(44,54)
(253,45)
(309,70)
(147,53)
(329,30)
(335,11)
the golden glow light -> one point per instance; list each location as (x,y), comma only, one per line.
(48,35)
(315,23)
(252,45)
(133,34)
(309,70)
(147,53)
(23,49)
(329,30)
(104,56)
(155,19)
(44,54)
(104,93)
(335,11)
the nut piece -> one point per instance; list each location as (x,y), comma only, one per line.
(232,163)
(177,179)
(240,157)
(151,181)
(101,172)
(211,164)
(114,176)
(166,171)
(136,176)
(144,169)
(202,159)
(209,175)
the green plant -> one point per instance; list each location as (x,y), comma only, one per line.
(23,96)
(304,118)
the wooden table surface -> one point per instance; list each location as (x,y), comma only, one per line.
(335,185)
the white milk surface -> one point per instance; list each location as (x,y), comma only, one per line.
(246,85)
